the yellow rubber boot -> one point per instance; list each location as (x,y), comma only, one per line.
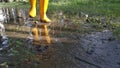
(32,11)
(43,10)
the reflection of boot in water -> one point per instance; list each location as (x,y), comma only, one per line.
(35,35)
(45,40)
(45,33)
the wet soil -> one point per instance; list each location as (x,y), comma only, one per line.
(70,48)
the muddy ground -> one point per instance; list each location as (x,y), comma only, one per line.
(70,48)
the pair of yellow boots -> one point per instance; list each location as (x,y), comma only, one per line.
(43,10)
(43,18)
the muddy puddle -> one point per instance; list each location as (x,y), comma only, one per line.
(69,48)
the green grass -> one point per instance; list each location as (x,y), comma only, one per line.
(74,7)
(99,7)
(14,4)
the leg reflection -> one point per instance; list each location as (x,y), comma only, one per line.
(45,34)
(41,36)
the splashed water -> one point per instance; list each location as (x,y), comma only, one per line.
(30,37)
(4,39)
(29,25)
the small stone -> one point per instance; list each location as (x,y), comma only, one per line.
(90,52)
(111,39)
(118,63)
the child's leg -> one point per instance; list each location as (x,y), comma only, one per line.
(32,12)
(43,10)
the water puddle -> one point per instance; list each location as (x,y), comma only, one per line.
(67,46)
(97,49)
